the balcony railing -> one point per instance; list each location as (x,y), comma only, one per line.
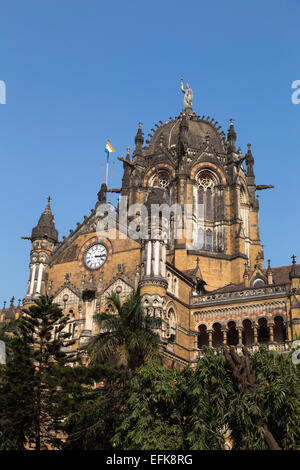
(241,294)
(283,347)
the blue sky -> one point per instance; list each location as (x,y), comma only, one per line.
(78,72)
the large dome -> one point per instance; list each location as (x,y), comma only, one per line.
(198,130)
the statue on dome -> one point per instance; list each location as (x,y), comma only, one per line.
(188,95)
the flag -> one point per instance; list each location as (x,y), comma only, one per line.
(109,148)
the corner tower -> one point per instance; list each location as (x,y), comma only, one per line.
(44,238)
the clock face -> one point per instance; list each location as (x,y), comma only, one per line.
(95,256)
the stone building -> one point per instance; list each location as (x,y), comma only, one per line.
(208,281)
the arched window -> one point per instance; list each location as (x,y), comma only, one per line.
(161,179)
(217,337)
(208,205)
(279,330)
(200,204)
(202,336)
(205,210)
(263,331)
(171,326)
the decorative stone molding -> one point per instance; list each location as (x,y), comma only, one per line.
(66,296)
(118,285)
(261,292)
(153,281)
(239,313)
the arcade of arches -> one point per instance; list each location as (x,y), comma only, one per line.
(249,333)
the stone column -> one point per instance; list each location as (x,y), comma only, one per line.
(156,258)
(255,334)
(39,281)
(163,258)
(288,330)
(32,268)
(32,279)
(224,335)
(210,333)
(149,258)
(271,331)
(240,333)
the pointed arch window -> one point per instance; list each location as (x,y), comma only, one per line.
(205,210)
(208,204)
(200,203)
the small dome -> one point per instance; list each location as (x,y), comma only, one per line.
(198,130)
(45,227)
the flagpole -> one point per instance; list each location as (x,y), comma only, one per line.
(111,179)
(106,179)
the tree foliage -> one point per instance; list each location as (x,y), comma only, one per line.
(39,388)
(127,335)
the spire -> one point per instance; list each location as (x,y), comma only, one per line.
(249,161)
(128,154)
(139,140)
(102,194)
(231,137)
(269,273)
(294,271)
(45,227)
(197,279)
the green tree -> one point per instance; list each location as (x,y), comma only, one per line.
(126,340)
(192,408)
(40,377)
(16,390)
(127,335)
(153,417)
(264,411)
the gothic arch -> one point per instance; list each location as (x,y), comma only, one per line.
(209,167)
(163,167)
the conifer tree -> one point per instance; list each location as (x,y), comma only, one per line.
(40,375)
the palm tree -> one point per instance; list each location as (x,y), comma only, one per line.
(127,335)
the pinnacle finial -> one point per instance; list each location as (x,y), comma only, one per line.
(139,140)
(231,136)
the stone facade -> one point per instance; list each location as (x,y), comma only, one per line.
(209,284)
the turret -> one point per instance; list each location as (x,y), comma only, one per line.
(231,137)
(44,237)
(139,142)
